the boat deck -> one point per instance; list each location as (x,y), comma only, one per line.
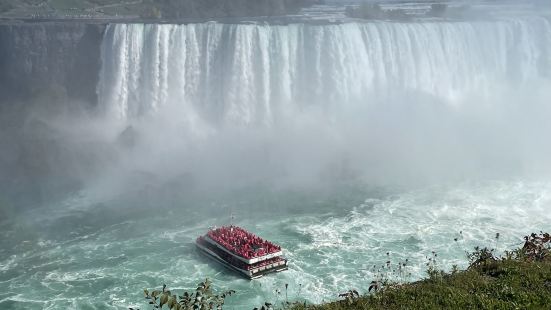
(249,274)
(242,251)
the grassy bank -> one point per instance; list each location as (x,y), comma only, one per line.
(520,280)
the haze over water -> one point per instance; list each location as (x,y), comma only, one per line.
(339,141)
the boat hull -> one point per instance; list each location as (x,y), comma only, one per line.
(245,273)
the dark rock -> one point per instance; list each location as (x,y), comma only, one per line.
(37,56)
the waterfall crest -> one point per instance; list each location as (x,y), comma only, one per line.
(253,74)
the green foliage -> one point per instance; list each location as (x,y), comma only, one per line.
(229,8)
(520,280)
(481,257)
(284,305)
(202,298)
(350,296)
(536,247)
(155,9)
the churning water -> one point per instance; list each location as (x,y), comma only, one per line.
(341,142)
(74,257)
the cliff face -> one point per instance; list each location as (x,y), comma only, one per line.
(36,57)
(66,56)
(45,70)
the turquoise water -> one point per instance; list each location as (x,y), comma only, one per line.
(288,128)
(89,255)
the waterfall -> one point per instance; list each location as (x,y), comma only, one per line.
(253,74)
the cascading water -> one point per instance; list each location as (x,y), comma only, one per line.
(350,85)
(254,73)
(351,102)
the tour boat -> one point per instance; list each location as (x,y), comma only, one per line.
(242,251)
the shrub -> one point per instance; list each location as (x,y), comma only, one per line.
(537,247)
(202,298)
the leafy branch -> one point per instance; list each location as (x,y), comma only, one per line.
(202,299)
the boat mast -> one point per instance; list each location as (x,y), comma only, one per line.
(231,219)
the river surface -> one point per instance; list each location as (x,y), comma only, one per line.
(74,257)
(349,143)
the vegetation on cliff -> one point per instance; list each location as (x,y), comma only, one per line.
(520,279)
(376,11)
(227,8)
(152,9)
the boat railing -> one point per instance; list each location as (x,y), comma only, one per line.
(245,260)
(241,242)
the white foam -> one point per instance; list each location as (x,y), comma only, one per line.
(256,74)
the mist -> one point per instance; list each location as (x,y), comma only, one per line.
(284,113)
(338,135)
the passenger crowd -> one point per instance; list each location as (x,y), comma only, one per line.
(242,242)
(238,263)
(266,263)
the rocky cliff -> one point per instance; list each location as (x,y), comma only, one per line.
(38,57)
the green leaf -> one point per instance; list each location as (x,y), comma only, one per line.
(171,302)
(163,300)
(155,293)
